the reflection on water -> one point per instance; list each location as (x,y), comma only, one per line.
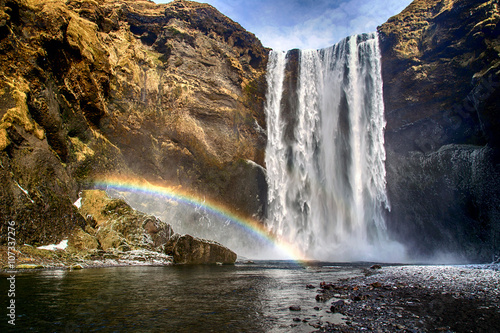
(240,298)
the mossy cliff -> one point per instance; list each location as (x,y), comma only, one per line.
(440,66)
(172,93)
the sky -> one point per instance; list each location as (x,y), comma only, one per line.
(306,24)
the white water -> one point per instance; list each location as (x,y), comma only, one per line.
(327,188)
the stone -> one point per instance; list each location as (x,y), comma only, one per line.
(186,249)
(29,266)
(120,227)
(337,306)
(294,308)
(375,266)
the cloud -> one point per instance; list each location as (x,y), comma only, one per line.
(307,24)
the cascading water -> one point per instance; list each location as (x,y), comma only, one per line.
(325,154)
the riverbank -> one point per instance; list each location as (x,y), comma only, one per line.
(27,257)
(414,299)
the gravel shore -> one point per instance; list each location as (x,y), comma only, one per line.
(415,299)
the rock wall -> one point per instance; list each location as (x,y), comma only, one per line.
(442,90)
(172,93)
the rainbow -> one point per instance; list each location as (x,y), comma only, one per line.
(176,193)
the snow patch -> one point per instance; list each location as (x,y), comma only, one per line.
(78,203)
(53,247)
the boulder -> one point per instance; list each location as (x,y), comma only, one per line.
(186,249)
(119,226)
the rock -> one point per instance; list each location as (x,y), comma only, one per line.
(294,308)
(29,266)
(375,266)
(296,319)
(327,286)
(83,241)
(186,249)
(376,284)
(310,286)
(337,306)
(441,137)
(118,226)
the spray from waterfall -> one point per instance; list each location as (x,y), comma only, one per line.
(325,154)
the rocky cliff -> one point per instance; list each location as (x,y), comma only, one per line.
(174,94)
(171,93)
(440,63)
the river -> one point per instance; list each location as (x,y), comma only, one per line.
(237,298)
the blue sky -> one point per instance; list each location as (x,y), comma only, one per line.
(307,24)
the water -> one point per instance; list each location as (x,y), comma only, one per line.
(241,298)
(325,154)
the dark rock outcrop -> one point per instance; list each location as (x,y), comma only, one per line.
(441,89)
(173,93)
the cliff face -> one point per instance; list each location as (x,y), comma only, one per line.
(173,93)
(440,65)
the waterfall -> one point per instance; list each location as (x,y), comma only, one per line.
(325,154)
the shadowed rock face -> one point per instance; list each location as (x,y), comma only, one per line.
(171,93)
(441,90)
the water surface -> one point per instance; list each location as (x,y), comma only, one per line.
(240,298)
